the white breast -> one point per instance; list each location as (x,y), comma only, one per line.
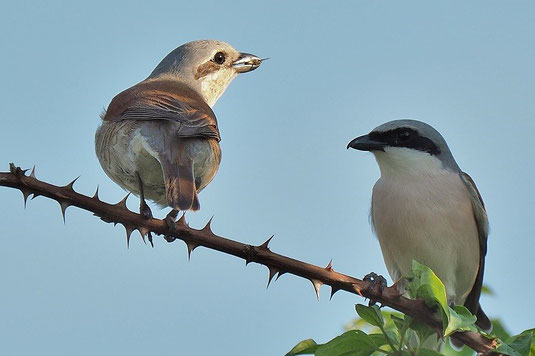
(423,212)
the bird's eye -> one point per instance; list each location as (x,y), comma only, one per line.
(219,58)
(404,136)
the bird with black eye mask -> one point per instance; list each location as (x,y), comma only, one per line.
(425,208)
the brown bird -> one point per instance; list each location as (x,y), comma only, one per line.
(159,139)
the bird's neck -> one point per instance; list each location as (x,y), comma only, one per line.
(209,87)
(403,164)
(213,85)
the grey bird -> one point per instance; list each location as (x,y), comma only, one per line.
(159,139)
(425,208)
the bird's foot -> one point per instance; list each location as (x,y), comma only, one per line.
(170,221)
(144,209)
(376,280)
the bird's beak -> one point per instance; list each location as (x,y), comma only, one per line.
(246,62)
(365,143)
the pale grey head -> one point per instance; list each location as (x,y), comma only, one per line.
(207,66)
(409,134)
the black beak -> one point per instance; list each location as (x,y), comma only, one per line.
(365,143)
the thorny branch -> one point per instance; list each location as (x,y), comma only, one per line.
(277,264)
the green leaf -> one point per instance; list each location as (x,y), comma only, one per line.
(353,342)
(521,342)
(422,330)
(486,290)
(499,330)
(371,314)
(305,347)
(426,285)
(528,331)
(357,324)
(427,352)
(379,339)
(411,338)
(507,350)
(460,319)
(399,322)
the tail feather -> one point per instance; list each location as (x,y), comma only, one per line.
(179,179)
(181,193)
(483,320)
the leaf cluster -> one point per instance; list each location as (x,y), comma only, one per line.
(377,332)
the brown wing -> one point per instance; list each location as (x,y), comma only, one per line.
(165,99)
(480,216)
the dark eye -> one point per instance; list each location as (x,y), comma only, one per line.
(403,136)
(219,58)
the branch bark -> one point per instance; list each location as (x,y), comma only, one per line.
(277,264)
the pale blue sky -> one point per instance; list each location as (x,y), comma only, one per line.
(336,71)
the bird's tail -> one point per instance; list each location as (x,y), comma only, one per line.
(483,320)
(179,180)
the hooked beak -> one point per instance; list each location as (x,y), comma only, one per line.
(365,143)
(246,63)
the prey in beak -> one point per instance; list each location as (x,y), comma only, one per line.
(247,62)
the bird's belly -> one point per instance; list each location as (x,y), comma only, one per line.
(436,227)
(123,150)
(119,155)
(206,161)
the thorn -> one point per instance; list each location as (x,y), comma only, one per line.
(264,246)
(143,231)
(208,226)
(35,195)
(71,184)
(317,284)
(279,274)
(191,246)
(95,196)
(272,272)
(182,220)
(25,194)
(330,266)
(129,231)
(64,205)
(333,290)
(32,173)
(358,290)
(122,203)
(149,235)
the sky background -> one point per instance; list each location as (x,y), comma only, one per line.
(336,71)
